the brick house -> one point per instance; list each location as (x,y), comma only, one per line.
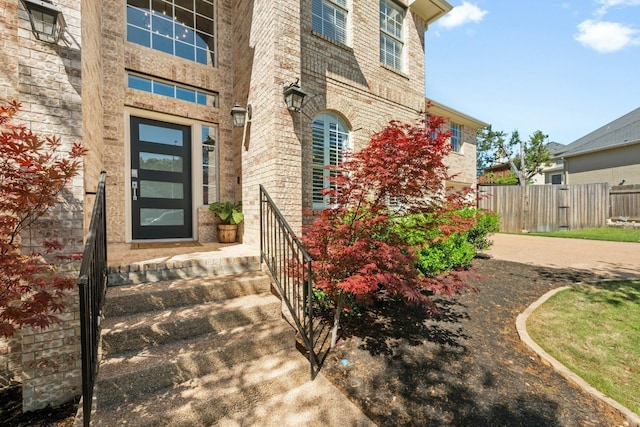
(148,87)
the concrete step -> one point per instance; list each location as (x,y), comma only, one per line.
(205,400)
(143,330)
(175,269)
(131,376)
(129,299)
(204,352)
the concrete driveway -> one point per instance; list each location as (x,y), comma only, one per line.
(611,259)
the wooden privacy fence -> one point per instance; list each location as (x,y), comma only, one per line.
(547,207)
(625,202)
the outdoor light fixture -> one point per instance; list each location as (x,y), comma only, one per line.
(241,118)
(47,21)
(240,115)
(293,96)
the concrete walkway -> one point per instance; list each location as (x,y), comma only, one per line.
(611,259)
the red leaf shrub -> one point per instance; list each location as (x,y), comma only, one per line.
(358,247)
(33,173)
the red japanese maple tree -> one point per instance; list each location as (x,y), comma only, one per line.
(358,247)
(33,174)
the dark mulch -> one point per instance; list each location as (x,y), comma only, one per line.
(11,412)
(468,368)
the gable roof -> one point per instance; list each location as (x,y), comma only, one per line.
(556,148)
(620,132)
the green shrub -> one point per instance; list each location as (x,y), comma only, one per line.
(437,253)
(486,223)
(453,253)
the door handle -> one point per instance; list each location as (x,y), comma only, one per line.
(134,190)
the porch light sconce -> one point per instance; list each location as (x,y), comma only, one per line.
(293,96)
(241,118)
(240,115)
(47,21)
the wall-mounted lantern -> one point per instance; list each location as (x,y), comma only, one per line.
(242,118)
(293,96)
(240,115)
(47,21)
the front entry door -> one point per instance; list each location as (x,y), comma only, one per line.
(160,180)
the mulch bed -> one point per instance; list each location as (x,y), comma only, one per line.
(467,368)
(11,412)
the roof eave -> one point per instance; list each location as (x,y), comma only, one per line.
(441,110)
(429,10)
(594,150)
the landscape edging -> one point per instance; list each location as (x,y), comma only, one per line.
(521,325)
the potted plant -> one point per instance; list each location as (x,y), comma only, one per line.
(230,216)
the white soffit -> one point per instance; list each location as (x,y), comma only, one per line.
(429,10)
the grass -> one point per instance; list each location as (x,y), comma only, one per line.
(606,233)
(594,330)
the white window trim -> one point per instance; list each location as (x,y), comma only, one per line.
(461,130)
(402,40)
(348,11)
(327,118)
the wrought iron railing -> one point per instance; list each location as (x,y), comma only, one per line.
(290,266)
(92,284)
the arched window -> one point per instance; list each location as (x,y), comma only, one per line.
(330,141)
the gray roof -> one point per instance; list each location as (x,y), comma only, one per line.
(624,130)
(556,148)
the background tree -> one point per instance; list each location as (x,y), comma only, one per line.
(525,158)
(33,173)
(362,244)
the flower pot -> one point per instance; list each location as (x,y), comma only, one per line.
(227,233)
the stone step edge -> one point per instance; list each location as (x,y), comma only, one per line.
(198,270)
(186,282)
(180,264)
(224,363)
(175,294)
(144,318)
(126,333)
(213,401)
(226,339)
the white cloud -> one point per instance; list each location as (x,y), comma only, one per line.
(606,37)
(605,5)
(461,15)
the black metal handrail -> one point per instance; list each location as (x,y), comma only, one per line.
(92,284)
(290,266)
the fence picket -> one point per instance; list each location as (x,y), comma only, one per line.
(558,207)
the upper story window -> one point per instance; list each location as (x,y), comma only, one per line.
(160,87)
(391,34)
(184,28)
(330,141)
(456,136)
(329,18)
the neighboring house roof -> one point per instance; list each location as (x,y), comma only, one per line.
(556,148)
(437,109)
(498,167)
(620,132)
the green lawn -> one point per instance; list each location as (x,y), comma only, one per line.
(594,330)
(607,233)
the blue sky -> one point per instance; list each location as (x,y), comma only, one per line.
(563,67)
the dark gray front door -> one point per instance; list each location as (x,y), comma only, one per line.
(160,180)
